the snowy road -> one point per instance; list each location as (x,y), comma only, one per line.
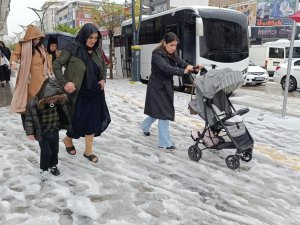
(268,97)
(136,183)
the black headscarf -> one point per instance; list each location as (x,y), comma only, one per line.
(79,49)
(52,40)
(5,50)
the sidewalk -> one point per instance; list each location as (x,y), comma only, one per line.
(7,91)
(6,94)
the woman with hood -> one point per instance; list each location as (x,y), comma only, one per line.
(34,68)
(84,79)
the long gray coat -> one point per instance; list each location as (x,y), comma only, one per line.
(160,94)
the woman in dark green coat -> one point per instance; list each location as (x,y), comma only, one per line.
(165,63)
(84,79)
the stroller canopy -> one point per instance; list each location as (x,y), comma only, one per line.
(215,80)
(215,85)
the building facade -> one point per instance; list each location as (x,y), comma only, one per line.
(268,20)
(76,14)
(4,11)
(51,7)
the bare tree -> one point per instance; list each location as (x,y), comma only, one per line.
(110,16)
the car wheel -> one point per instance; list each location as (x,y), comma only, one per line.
(292,85)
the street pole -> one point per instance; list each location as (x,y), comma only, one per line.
(18,35)
(41,13)
(135,48)
(287,79)
(133,52)
(23,27)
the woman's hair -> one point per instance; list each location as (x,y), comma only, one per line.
(36,48)
(85,32)
(168,38)
(2,44)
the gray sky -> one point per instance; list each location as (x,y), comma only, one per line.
(21,15)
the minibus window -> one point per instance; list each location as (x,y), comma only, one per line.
(276,53)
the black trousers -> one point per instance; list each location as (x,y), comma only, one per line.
(2,73)
(23,120)
(49,150)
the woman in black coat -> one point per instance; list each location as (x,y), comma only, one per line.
(165,63)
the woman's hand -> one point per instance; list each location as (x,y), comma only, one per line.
(31,137)
(70,87)
(197,68)
(101,84)
(188,69)
(13,66)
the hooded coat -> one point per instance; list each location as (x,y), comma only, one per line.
(160,94)
(33,70)
(49,90)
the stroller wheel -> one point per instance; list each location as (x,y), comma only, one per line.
(232,162)
(246,156)
(195,153)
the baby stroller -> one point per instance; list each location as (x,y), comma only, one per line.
(224,127)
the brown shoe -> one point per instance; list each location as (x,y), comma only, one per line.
(92,158)
(71,149)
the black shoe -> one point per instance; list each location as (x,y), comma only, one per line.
(54,171)
(147,133)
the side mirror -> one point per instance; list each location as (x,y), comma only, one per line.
(199,26)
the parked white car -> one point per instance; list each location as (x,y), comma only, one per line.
(281,71)
(256,74)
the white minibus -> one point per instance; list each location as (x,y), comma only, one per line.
(277,52)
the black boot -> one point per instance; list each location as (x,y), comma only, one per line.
(54,170)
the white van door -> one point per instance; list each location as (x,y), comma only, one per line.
(274,58)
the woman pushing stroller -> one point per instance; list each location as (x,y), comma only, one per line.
(165,63)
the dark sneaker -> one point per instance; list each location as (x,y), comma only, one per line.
(147,133)
(54,171)
(172,147)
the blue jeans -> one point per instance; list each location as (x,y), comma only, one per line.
(164,139)
(49,150)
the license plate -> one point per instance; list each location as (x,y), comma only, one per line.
(259,78)
(275,63)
